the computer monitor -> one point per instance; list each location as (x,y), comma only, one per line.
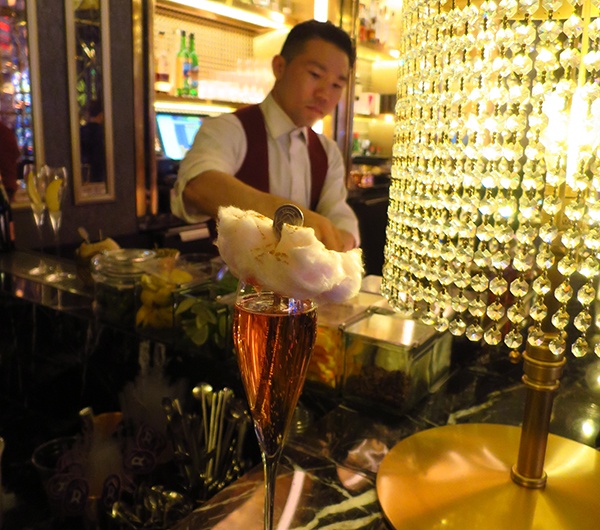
(176,133)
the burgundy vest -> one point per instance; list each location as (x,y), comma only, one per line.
(254,170)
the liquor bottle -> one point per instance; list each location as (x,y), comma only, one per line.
(161,65)
(7,228)
(182,67)
(362,17)
(355,144)
(194,68)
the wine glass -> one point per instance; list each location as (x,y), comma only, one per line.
(274,337)
(35,184)
(55,191)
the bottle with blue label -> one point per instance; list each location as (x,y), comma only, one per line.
(182,67)
(194,68)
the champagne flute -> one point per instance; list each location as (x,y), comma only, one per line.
(274,337)
(55,191)
(35,184)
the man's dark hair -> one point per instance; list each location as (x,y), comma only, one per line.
(313,29)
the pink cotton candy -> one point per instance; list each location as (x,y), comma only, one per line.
(298,265)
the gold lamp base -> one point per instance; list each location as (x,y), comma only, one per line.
(458,477)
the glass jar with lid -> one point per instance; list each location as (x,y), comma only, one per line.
(116,274)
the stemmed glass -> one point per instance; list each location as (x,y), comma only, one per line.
(274,337)
(35,184)
(55,191)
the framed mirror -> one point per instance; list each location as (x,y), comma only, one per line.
(88,57)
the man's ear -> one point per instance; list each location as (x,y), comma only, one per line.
(278,66)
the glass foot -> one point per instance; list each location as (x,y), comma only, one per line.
(40,270)
(59,276)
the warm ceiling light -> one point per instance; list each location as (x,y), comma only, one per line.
(190,107)
(271,20)
(321,10)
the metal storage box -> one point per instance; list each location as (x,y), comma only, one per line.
(392,362)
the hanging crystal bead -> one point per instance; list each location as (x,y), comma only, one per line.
(589,267)
(541,285)
(545,258)
(507,8)
(583,320)
(477,307)
(552,205)
(549,31)
(575,210)
(515,314)
(493,336)
(570,58)
(571,238)
(580,347)
(441,324)
(573,27)
(519,287)
(546,61)
(498,286)
(557,346)
(552,5)
(428,318)
(457,327)
(548,233)
(586,294)
(525,234)
(482,258)
(460,303)
(474,332)
(500,260)
(536,336)
(513,339)
(524,259)
(560,319)
(563,292)
(567,266)
(538,311)
(495,311)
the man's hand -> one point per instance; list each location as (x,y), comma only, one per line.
(333,238)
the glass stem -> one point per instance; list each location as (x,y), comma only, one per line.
(57,247)
(270,466)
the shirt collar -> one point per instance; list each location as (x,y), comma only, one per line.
(277,122)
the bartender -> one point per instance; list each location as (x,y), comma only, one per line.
(266,155)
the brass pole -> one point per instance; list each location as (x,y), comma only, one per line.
(542,378)
(541,374)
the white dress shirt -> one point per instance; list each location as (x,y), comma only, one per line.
(221,145)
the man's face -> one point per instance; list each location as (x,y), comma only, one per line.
(310,85)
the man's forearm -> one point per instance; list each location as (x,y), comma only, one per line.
(212,189)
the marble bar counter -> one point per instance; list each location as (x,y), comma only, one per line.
(311,492)
(328,474)
(327,478)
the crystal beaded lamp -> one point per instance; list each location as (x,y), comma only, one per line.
(494,218)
